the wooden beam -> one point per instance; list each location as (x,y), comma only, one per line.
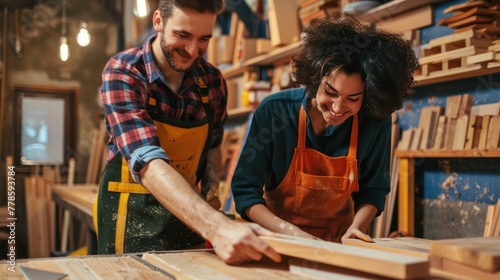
(479,252)
(406,196)
(361,259)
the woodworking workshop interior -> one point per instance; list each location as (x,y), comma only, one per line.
(250,139)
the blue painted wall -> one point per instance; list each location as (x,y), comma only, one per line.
(451,180)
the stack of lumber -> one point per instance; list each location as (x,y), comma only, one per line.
(462,127)
(314,9)
(448,55)
(481,16)
(492,224)
(40,216)
(473,45)
(466,258)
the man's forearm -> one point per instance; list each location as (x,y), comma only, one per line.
(178,197)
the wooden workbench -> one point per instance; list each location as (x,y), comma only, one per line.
(79,200)
(204,264)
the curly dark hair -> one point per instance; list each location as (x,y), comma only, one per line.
(201,6)
(385,61)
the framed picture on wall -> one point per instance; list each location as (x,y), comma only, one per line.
(45,125)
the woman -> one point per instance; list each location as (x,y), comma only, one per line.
(316,160)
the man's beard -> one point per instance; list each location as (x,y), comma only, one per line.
(170,58)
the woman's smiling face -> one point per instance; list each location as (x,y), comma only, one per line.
(340,96)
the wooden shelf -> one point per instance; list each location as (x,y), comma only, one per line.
(264,59)
(448,153)
(451,76)
(393,8)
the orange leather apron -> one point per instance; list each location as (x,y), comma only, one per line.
(315,194)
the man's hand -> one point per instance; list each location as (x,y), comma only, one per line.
(236,243)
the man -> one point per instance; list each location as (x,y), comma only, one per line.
(165,107)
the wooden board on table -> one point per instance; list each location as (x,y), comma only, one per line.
(410,246)
(305,268)
(361,259)
(90,268)
(453,270)
(482,252)
(206,265)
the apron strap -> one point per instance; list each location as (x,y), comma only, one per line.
(302,128)
(353,145)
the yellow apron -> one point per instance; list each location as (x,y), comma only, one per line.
(128,218)
(315,194)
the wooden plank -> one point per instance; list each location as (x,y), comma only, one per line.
(406,196)
(474,11)
(451,38)
(450,133)
(316,270)
(495,221)
(493,137)
(417,137)
(479,252)
(475,153)
(406,139)
(482,57)
(473,132)
(467,5)
(453,270)
(393,8)
(392,245)
(440,133)
(429,125)
(206,265)
(453,106)
(123,267)
(454,54)
(471,20)
(486,109)
(484,132)
(461,133)
(465,105)
(361,259)
(411,20)
(84,194)
(488,220)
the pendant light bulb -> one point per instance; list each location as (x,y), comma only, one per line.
(83,36)
(64,49)
(141,8)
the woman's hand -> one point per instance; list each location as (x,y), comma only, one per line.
(354,232)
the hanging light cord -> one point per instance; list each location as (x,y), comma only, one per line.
(64,18)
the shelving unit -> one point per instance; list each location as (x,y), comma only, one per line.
(451,76)
(448,153)
(273,56)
